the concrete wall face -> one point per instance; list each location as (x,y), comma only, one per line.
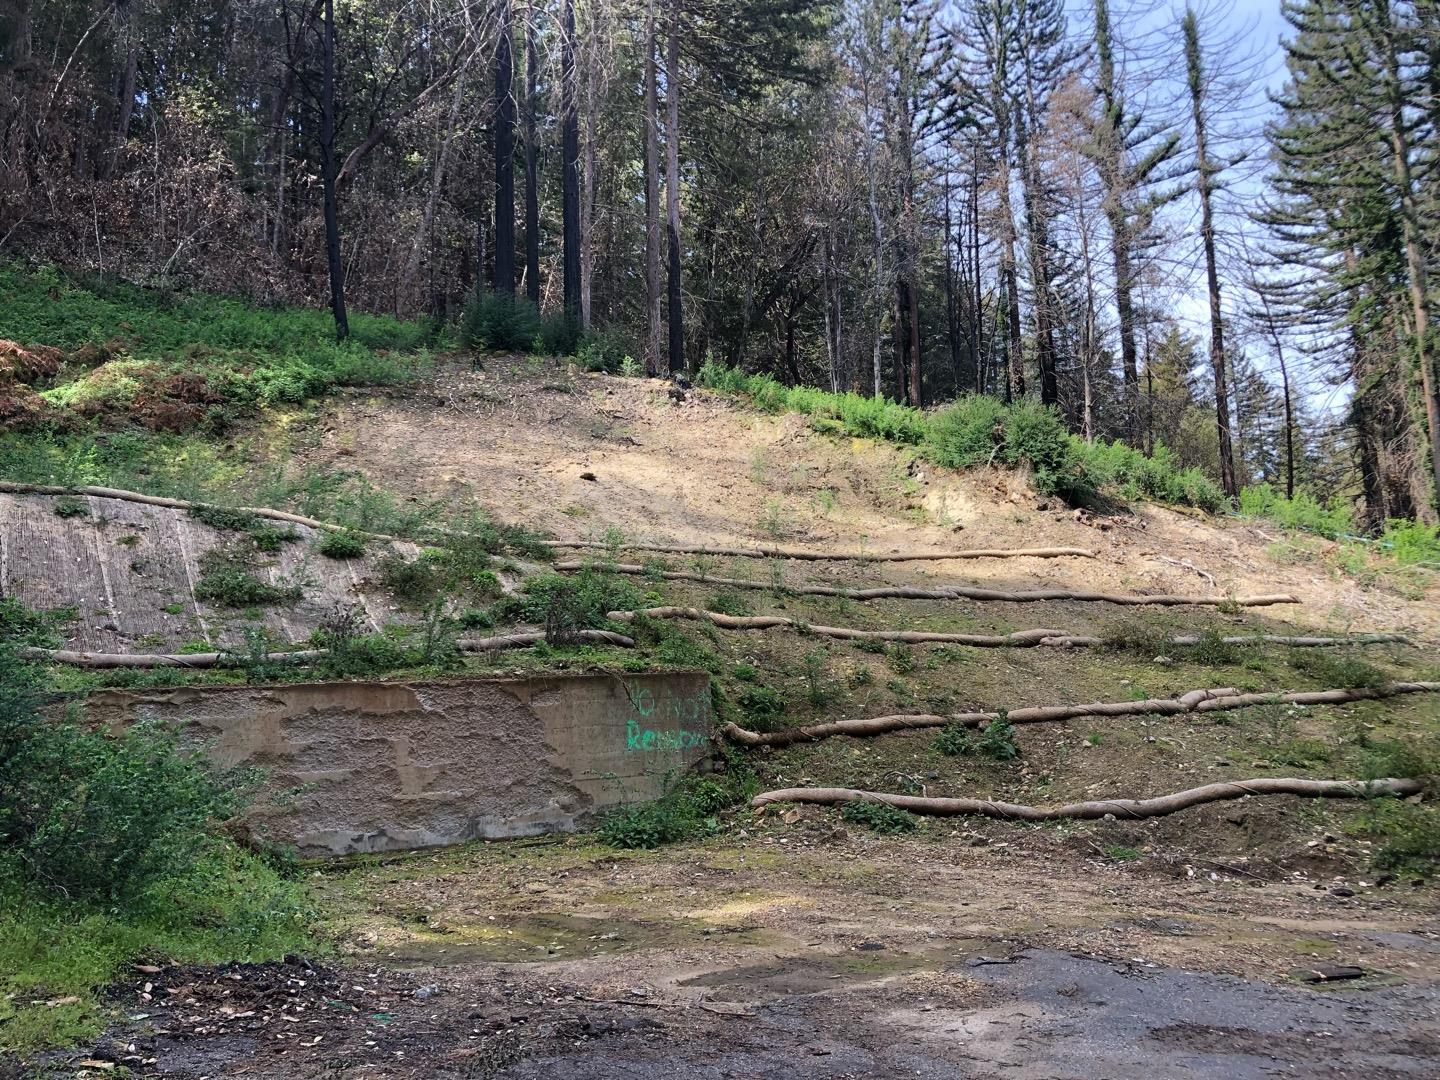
(359,767)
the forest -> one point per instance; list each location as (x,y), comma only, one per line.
(1105,207)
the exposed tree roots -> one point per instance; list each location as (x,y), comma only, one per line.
(15,488)
(522,640)
(947,592)
(764,551)
(1196,701)
(1120,808)
(1016,639)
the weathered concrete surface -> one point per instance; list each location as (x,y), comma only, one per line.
(130,570)
(362,767)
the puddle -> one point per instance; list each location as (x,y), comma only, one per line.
(791,976)
(553,936)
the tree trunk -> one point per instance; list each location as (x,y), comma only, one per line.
(1204,182)
(327,169)
(652,198)
(126,104)
(672,189)
(504,155)
(1415,257)
(532,166)
(570,172)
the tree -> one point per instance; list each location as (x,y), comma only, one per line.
(328,174)
(1131,158)
(570,174)
(1205,172)
(504,141)
(674,312)
(652,196)
(532,162)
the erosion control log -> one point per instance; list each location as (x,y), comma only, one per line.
(947,592)
(1120,808)
(1014,639)
(763,551)
(1196,701)
(522,640)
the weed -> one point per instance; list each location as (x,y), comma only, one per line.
(1337,669)
(745,672)
(953,740)
(604,350)
(879,817)
(342,545)
(775,520)
(997,740)
(1301,753)
(730,602)
(901,657)
(761,705)
(563,604)
(861,676)
(818,689)
(499,321)
(226,579)
(69,506)
(1409,835)
(1121,853)
(688,811)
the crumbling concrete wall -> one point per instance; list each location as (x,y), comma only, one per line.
(362,767)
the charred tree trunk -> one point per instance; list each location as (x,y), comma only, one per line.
(570,172)
(504,155)
(672,190)
(328,169)
(652,198)
(532,166)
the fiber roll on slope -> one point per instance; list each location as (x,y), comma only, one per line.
(1120,808)
(947,592)
(767,551)
(1196,701)
(1014,639)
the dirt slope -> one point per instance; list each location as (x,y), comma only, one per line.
(577,455)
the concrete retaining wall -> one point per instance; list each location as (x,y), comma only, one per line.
(361,767)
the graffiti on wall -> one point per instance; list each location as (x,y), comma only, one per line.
(667,724)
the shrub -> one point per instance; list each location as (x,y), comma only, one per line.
(342,545)
(68,506)
(978,430)
(499,321)
(686,812)
(879,817)
(563,604)
(953,740)
(761,705)
(1331,519)
(997,741)
(226,579)
(604,350)
(559,334)
(1338,669)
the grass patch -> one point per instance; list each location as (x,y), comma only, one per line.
(879,817)
(341,545)
(689,811)
(1338,669)
(227,578)
(979,430)
(109,854)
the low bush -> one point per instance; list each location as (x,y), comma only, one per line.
(499,321)
(1331,519)
(687,812)
(879,817)
(604,350)
(226,578)
(565,603)
(342,545)
(978,429)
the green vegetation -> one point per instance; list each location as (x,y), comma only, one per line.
(690,810)
(110,853)
(980,430)
(565,603)
(68,506)
(227,578)
(1121,853)
(996,741)
(879,817)
(1337,669)
(173,361)
(341,545)
(1402,543)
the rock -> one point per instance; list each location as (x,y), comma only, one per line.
(1325,973)
(587,476)
(425,992)
(1341,890)
(870,946)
